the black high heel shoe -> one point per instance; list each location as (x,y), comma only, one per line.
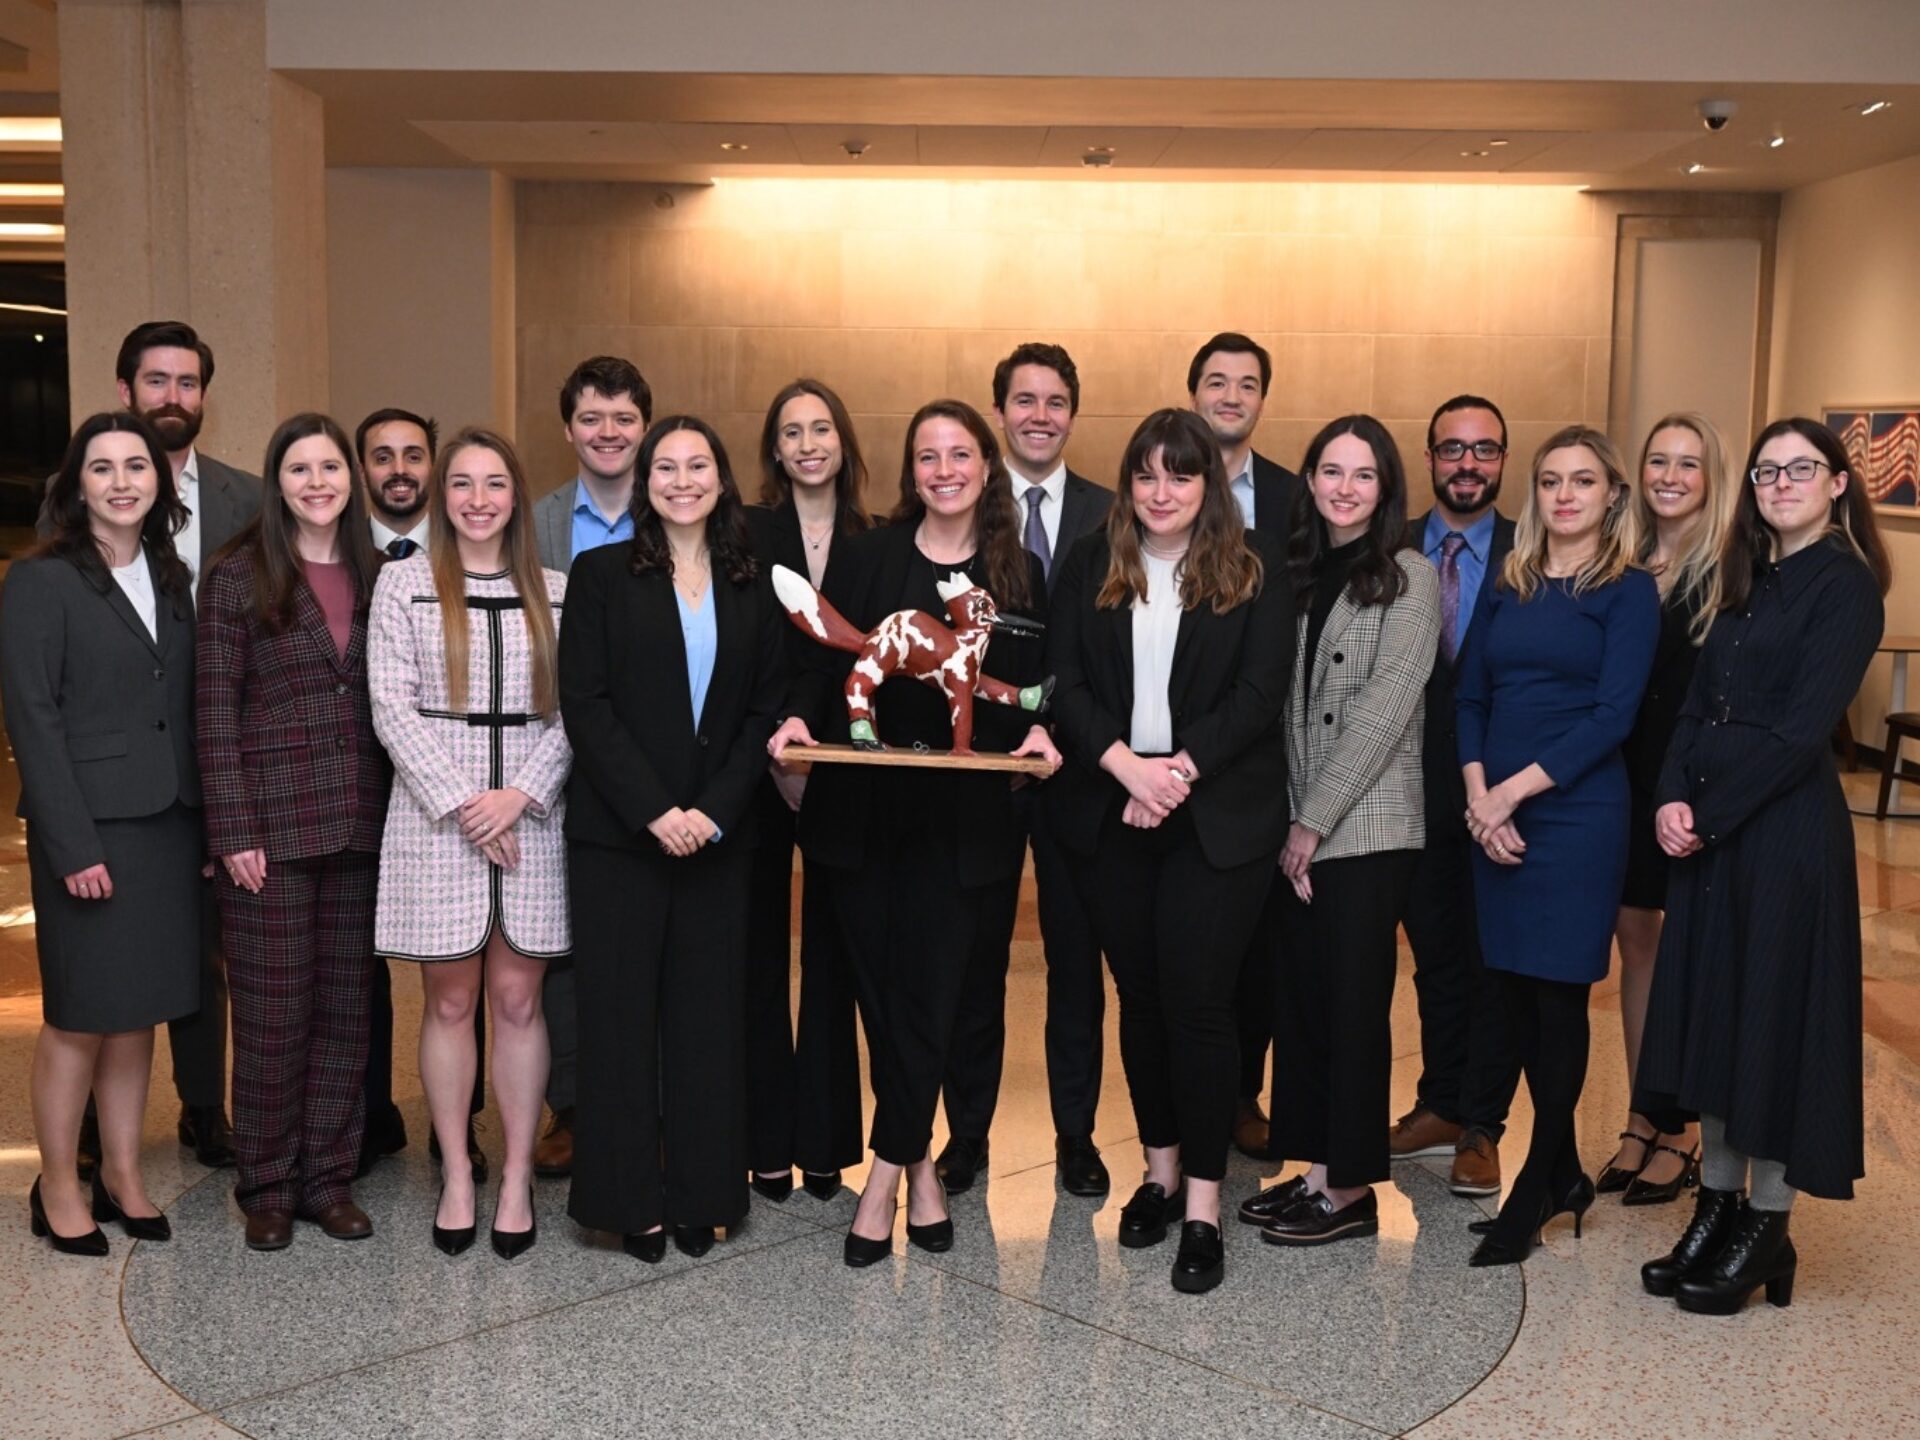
(1645,1192)
(772,1187)
(1758,1252)
(694,1240)
(1618,1177)
(937,1237)
(1576,1202)
(93,1243)
(860,1252)
(510,1244)
(821,1187)
(650,1247)
(453,1241)
(137,1227)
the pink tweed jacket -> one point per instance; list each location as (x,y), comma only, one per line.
(439,896)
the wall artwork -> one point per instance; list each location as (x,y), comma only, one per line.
(1884,443)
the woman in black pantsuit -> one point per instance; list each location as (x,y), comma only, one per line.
(1754,1022)
(1171,636)
(913,858)
(672,667)
(803,1088)
(96,672)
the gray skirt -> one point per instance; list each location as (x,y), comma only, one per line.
(132,961)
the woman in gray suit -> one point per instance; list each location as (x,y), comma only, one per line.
(1369,620)
(96,673)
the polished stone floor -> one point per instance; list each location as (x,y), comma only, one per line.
(1036,1323)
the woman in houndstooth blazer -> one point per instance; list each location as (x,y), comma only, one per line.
(473,864)
(1369,621)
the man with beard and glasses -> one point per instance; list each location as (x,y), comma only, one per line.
(1227,383)
(1468,1068)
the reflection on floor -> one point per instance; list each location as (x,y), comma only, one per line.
(1035,1323)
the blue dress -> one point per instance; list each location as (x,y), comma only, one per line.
(1557,681)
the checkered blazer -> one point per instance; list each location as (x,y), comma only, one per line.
(1354,726)
(288,759)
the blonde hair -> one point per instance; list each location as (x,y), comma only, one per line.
(1697,575)
(523,564)
(1526,565)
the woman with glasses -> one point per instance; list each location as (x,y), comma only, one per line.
(1754,1021)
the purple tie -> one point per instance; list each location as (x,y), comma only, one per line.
(1450,549)
(1036,540)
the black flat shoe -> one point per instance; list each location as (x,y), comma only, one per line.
(1202,1259)
(650,1247)
(821,1187)
(961,1162)
(137,1227)
(1645,1192)
(694,1240)
(1316,1220)
(1618,1177)
(93,1243)
(1082,1172)
(1714,1212)
(510,1244)
(1272,1202)
(772,1187)
(1144,1219)
(935,1238)
(1757,1252)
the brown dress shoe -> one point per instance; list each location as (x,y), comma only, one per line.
(343,1220)
(269,1229)
(1476,1165)
(553,1154)
(1251,1133)
(1420,1133)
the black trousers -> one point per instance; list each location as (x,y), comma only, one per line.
(659,952)
(1470,1066)
(378,1086)
(1253,998)
(803,1091)
(1176,932)
(1548,1018)
(1332,1019)
(198,1042)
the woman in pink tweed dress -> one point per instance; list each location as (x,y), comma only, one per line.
(473,863)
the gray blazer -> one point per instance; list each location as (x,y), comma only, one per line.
(100,712)
(553,526)
(229,498)
(1354,726)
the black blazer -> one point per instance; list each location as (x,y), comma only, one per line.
(865,583)
(629,714)
(1083,510)
(1446,787)
(1227,692)
(100,712)
(1276,490)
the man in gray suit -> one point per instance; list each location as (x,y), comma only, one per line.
(606,406)
(163,371)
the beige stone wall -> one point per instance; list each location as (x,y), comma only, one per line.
(1385,298)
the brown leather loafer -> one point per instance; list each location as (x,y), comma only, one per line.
(1420,1133)
(553,1153)
(343,1220)
(269,1229)
(1476,1165)
(1250,1130)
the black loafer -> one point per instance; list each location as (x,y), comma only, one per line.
(650,1247)
(694,1240)
(1272,1202)
(1314,1220)
(203,1129)
(1202,1260)
(1144,1220)
(1082,1172)
(960,1162)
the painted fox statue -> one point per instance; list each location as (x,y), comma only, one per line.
(912,642)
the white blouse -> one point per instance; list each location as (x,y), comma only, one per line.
(1156,626)
(137,581)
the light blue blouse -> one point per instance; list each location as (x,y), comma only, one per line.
(702,637)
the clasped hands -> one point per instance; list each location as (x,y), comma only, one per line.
(1490,822)
(487,821)
(1156,785)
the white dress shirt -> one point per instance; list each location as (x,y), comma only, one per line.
(187,543)
(1156,627)
(383,537)
(1242,487)
(137,581)
(1055,486)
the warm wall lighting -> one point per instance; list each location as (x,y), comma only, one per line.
(1874,107)
(733,145)
(32,192)
(1776,142)
(27,230)
(1696,168)
(30,131)
(25,309)
(1475,154)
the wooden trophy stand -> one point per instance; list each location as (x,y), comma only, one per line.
(802,757)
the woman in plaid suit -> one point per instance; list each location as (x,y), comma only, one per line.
(1365,645)
(473,866)
(296,790)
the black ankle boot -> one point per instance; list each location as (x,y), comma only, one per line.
(1699,1244)
(1757,1253)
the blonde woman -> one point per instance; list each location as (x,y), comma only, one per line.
(1686,503)
(1550,683)
(473,863)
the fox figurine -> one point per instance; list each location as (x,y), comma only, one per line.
(914,643)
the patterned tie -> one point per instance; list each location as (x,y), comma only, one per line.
(400,547)
(1450,549)
(1036,540)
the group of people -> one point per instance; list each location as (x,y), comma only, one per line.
(384,705)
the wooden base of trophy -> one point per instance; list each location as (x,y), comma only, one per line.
(801,757)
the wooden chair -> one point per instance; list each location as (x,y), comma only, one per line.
(1901,725)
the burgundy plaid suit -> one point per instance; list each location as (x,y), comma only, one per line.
(286,726)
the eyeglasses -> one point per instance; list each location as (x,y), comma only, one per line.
(1485,451)
(1800,472)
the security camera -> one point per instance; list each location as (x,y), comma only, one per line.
(1715,114)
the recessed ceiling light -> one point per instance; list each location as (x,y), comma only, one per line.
(1874,107)
(1475,154)
(1496,143)
(29,230)
(29,130)
(734,145)
(1099,149)
(1696,168)
(33,191)
(1776,142)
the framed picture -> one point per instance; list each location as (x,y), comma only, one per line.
(1884,444)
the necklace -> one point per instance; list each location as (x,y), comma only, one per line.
(815,542)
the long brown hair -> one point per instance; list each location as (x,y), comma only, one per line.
(271,535)
(996,525)
(728,550)
(1375,578)
(71,534)
(849,482)
(1698,575)
(1526,566)
(517,548)
(1754,541)
(1219,569)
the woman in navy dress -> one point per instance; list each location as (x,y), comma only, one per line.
(1549,688)
(1754,1021)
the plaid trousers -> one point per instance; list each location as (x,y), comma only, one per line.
(300,969)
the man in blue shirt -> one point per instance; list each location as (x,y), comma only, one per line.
(607,406)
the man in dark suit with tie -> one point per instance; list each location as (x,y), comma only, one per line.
(1227,383)
(1036,395)
(1468,1066)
